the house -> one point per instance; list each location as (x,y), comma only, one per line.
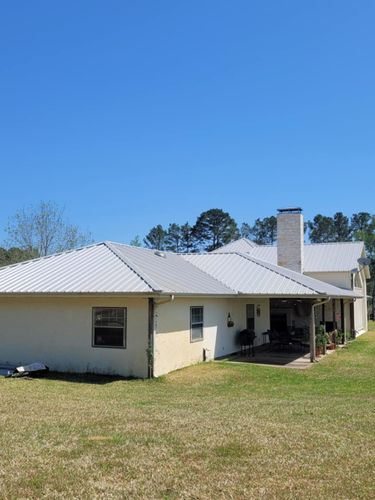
(115,309)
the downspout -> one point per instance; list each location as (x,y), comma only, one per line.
(151,335)
(312,328)
(152,305)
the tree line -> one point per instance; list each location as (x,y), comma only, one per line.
(39,230)
(215,228)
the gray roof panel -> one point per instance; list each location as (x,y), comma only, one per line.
(318,258)
(92,269)
(254,277)
(172,273)
(117,268)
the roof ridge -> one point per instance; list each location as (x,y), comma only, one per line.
(269,266)
(206,272)
(133,267)
(335,243)
(142,248)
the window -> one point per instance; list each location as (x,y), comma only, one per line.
(196,323)
(109,327)
(250,317)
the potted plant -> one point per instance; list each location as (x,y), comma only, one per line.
(321,340)
(339,337)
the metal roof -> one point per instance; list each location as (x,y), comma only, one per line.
(108,268)
(169,271)
(92,269)
(241,245)
(117,268)
(318,258)
(254,277)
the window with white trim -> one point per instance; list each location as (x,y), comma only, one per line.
(109,327)
(196,323)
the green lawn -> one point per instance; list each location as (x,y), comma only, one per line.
(216,430)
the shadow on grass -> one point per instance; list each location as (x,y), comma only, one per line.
(79,378)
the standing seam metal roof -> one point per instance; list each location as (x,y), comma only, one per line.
(318,257)
(117,268)
(254,277)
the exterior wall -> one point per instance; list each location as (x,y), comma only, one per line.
(173,348)
(360,308)
(290,241)
(58,332)
(342,280)
(347,316)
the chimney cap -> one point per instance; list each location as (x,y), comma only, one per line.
(290,210)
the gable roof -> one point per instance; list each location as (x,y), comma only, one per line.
(115,268)
(318,257)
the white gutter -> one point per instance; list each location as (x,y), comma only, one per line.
(312,327)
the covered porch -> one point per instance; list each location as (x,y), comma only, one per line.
(300,330)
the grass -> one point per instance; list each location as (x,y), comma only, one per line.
(215,430)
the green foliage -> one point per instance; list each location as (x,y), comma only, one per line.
(321,229)
(13,255)
(341,227)
(339,337)
(263,232)
(215,228)
(156,238)
(188,240)
(173,238)
(136,241)
(321,337)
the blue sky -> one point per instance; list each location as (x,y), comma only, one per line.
(136,113)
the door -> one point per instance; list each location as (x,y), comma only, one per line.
(250,317)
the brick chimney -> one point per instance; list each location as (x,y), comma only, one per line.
(290,236)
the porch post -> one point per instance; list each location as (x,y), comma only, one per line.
(312,335)
(351,317)
(342,312)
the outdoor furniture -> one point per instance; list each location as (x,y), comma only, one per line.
(274,339)
(284,341)
(247,338)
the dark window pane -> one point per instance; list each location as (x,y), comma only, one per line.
(250,316)
(250,324)
(197,314)
(108,316)
(197,332)
(113,337)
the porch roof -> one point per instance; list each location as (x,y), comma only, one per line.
(251,276)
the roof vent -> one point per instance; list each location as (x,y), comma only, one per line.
(160,254)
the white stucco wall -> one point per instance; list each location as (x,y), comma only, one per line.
(342,280)
(58,332)
(173,348)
